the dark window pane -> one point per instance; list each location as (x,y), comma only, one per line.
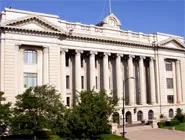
(67,82)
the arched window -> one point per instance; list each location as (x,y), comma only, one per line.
(128,117)
(139,116)
(171,113)
(30,56)
(150,114)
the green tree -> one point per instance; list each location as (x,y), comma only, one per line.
(90,117)
(37,108)
(5,112)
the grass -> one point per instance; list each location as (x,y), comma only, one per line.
(180,127)
(102,137)
(111,137)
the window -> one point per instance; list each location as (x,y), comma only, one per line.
(68,101)
(139,116)
(30,57)
(150,114)
(82,61)
(171,113)
(67,60)
(96,61)
(168,66)
(82,81)
(169,83)
(96,82)
(170,99)
(30,80)
(67,82)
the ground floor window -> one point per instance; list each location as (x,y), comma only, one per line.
(150,115)
(171,113)
(30,80)
(139,116)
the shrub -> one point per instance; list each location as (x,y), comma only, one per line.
(179,116)
(161,124)
(174,122)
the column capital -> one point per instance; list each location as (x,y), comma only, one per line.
(107,53)
(63,50)
(119,54)
(152,58)
(93,52)
(142,57)
(17,47)
(177,61)
(131,56)
(79,51)
(46,49)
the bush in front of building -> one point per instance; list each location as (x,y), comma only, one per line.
(89,118)
(180,116)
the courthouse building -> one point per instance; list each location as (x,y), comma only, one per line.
(37,49)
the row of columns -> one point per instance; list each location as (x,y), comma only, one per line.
(119,80)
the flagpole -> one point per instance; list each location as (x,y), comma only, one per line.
(110,7)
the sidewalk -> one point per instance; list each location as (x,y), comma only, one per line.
(148,133)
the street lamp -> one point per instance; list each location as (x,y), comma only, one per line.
(123,110)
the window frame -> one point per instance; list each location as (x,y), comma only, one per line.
(170,99)
(67,82)
(169,66)
(30,56)
(30,76)
(169,83)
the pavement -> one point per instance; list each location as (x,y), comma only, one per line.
(148,133)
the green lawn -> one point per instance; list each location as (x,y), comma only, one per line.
(102,137)
(180,127)
(111,137)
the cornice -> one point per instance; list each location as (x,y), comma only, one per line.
(30,31)
(89,38)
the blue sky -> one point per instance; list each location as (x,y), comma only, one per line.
(147,16)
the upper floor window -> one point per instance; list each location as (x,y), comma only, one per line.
(82,81)
(169,83)
(30,80)
(168,66)
(82,62)
(67,82)
(67,60)
(170,99)
(30,56)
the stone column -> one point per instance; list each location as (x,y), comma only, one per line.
(106,72)
(92,70)
(45,69)
(39,67)
(152,82)
(119,80)
(17,70)
(142,81)
(21,72)
(131,81)
(179,94)
(78,71)
(63,74)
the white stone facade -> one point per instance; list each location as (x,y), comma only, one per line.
(74,57)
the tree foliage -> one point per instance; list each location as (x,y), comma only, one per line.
(5,113)
(90,117)
(37,108)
